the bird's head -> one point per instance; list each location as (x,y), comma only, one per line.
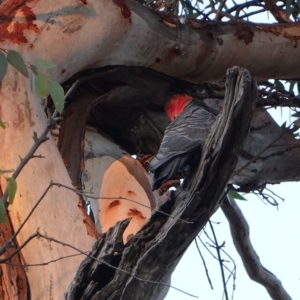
(176,105)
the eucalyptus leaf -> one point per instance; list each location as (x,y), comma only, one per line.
(2,125)
(3,65)
(2,211)
(58,95)
(235,195)
(41,85)
(17,61)
(34,69)
(12,189)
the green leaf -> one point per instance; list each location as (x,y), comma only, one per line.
(44,64)
(2,211)
(235,195)
(34,69)
(58,95)
(2,125)
(41,85)
(12,188)
(16,60)
(3,65)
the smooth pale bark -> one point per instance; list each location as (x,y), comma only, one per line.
(77,36)
(57,215)
(118,194)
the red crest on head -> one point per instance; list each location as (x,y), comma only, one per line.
(176,105)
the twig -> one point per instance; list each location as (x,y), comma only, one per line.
(218,247)
(204,264)
(282,199)
(219,10)
(37,142)
(232,272)
(9,243)
(252,13)
(44,263)
(51,239)
(265,197)
(18,249)
(82,193)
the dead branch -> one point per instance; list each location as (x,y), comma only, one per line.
(240,234)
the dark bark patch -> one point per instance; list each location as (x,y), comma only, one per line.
(136,213)
(210,34)
(171,53)
(18,123)
(124,9)
(15,34)
(114,203)
(220,41)
(244,33)
(131,193)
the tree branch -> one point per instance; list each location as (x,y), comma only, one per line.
(240,234)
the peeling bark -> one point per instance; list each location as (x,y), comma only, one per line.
(13,279)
